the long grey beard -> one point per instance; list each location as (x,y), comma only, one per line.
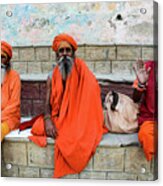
(65,64)
(3,72)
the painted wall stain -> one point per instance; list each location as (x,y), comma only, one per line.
(89,23)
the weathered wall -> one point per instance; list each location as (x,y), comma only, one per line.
(129,22)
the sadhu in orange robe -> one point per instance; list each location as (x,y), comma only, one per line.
(10,97)
(148,114)
(78,116)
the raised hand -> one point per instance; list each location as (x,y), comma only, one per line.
(141,72)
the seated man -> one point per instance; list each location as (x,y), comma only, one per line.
(145,93)
(73,111)
(10,92)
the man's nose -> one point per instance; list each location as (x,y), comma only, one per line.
(64,52)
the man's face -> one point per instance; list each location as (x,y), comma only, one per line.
(65,49)
(65,59)
(4,58)
(4,63)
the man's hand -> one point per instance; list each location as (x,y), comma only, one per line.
(141,72)
(51,130)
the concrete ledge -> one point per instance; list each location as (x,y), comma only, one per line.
(118,157)
(109,140)
(116,77)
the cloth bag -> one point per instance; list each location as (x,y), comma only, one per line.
(121,113)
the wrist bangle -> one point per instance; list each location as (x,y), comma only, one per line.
(140,85)
(141,89)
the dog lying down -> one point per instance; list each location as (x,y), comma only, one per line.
(121,114)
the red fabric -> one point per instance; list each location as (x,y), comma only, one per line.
(80,121)
(148,138)
(28,124)
(63,37)
(148,108)
(7,48)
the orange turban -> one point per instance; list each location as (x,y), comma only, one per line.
(7,48)
(63,37)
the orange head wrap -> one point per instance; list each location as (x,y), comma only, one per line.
(7,48)
(63,37)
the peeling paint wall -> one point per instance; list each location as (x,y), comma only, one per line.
(89,23)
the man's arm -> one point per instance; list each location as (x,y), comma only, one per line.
(50,128)
(139,85)
(47,110)
(137,95)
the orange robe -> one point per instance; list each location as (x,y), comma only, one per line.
(10,99)
(78,116)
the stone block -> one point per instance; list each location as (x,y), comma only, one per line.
(13,172)
(71,176)
(40,157)
(30,90)
(109,159)
(102,67)
(146,177)
(38,107)
(27,54)
(135,161)
(47,67)
(154,167)
(42,90)
(42,54)
(95,53)
(128,52)
(15,55)
(122,67)
(80,53)
(121,176)
(52,55)
(26,107)
(46,173)
(20,67)
(93,175)
(147,53)
(28,172)
(14,153)
(34,68)
(91,66)
(111,53)
(89,165)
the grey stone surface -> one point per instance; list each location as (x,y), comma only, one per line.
(46,173)
(28,172)
(103,67)
(27,54)
(104,161)
(13,172)
(128,52)
(93,175)
(14,153)
(135,161)
(119,140)
(40,157)
(121,176)
(42,54)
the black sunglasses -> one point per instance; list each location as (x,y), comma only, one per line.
(67,49)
